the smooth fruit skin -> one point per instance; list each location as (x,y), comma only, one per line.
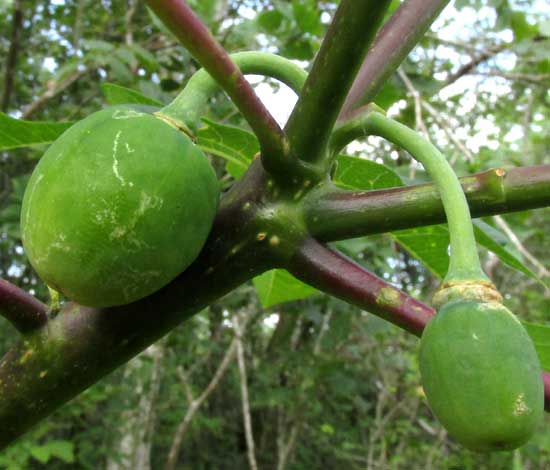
(117,207)
(481,375)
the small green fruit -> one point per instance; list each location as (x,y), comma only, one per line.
(481,375)
(117,207)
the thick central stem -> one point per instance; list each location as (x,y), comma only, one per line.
(351,32)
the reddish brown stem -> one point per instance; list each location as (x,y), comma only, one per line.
(393,43)
(24,312)
(196,37)
(343,278)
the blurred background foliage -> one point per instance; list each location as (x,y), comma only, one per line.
(330,386)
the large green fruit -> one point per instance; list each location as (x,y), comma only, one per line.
(117,207)
(481,375)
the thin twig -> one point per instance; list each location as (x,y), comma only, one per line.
(249,435)
(324,328)
(419,122)
(449,132)
(420,126)
(196,403)
(53,89)
(128,17)
(541,79)
(77,25)
(186,385)
(287,448)
(11,60)
(467,68)
(542,271)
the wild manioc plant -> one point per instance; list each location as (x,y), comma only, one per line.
(123,216)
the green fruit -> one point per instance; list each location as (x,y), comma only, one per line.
(481,375)
(117,207)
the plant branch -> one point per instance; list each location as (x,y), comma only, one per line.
(194,406)
(418,120)
(24,312)
(468,67)
(346,42)
(194,35)
(53,89)
(11,60)
(338,214)
(249,435)
(542,271)
(337,275)
(396,39)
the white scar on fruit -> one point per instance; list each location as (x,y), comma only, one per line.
(127,114)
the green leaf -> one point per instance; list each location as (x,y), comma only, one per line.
(355,173)
(277,286)
(145,57)
(116,94)
(390,92)
(495,241)
(307,17)
(234,144)
(521,28)
(427,244)
(97,45)
(63,450)
(540,334)
(16,133)
(299,49)
(40,453)
(430,246)
(270,21)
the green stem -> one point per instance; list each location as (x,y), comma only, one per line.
(464,260)
(350,34)
(196,37)
(189,105)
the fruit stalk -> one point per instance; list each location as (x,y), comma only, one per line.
(190,104)
(464,260)
(196,37)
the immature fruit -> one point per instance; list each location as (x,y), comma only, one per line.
(481,375)
(117,207)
